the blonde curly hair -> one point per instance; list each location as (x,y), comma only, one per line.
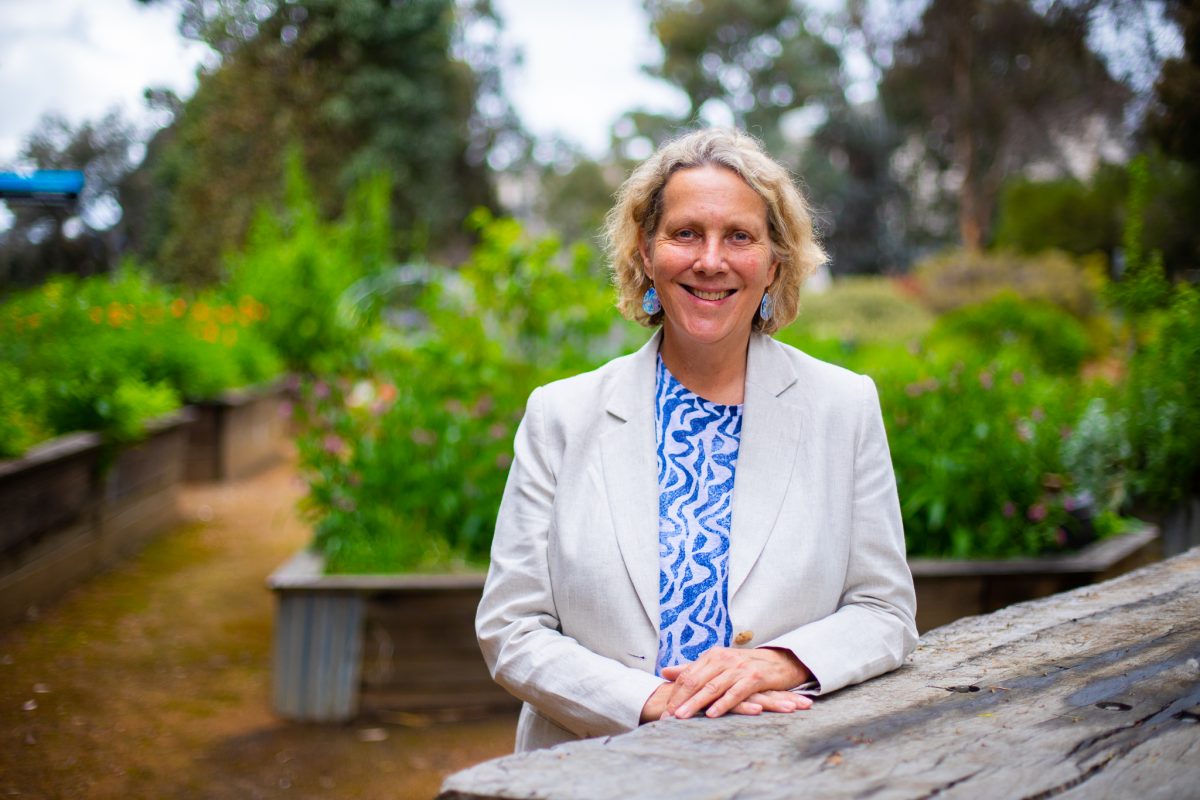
(639,208)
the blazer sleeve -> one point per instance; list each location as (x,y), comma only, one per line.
(517,625)
(873,628)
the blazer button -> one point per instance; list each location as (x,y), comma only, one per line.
(743,637)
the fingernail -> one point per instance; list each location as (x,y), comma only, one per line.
(665,715)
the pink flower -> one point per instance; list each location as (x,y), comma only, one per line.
(333,444)
(1037,414)
(1036,513)
(986,380)
(1018,377)
(423,436)
(321,390)
(1060,537)
(1008,509)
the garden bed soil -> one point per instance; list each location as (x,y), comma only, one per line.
(69,512)
(949,589)
(378,644)
(237,434)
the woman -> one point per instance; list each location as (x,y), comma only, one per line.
(708,523)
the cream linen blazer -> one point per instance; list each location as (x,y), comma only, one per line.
(569,617)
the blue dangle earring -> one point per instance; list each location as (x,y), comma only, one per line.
(766,309)
(650,302)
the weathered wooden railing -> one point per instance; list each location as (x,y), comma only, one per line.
(1090,693)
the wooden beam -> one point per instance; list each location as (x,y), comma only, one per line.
(1090,693)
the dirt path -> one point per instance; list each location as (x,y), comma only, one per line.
(153,680)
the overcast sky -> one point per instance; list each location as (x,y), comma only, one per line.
(81,57)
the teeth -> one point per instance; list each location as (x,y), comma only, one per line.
(712,295)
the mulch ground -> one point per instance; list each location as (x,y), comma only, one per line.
(153,680)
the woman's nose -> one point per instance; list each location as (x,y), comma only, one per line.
(712,255)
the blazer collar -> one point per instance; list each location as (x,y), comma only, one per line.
(766,454)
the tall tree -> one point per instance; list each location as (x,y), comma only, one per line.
(756,57)
(1173,122)
(984,88)
(358,85)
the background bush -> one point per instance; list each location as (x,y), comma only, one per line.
(406,460)
(106,354)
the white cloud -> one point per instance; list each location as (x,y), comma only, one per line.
(81,58)
(582,66)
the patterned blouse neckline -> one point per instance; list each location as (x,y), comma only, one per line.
(679,390)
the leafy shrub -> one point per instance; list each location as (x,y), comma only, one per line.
(1163,406)
(960,278)
(299,265)
(1052,338)
(975,443)
(863,309)
(406,462)
(107,354)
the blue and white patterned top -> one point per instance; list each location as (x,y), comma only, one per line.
(697,454)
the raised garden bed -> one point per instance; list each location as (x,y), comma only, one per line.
(377,644)
(949,589)
(68,509)
(237,434)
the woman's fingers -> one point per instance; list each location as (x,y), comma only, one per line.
(725,678)
(780,701)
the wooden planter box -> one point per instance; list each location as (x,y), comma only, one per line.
(377,644)
(65,514)
(237,434)
(949,589)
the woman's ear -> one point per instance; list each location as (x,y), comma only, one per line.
(644,252)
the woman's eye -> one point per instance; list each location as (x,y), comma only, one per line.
(741,236)
(686,234)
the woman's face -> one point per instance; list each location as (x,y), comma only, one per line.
(710,258)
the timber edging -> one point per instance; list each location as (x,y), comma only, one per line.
(346,645)
(1090,693)
(69,509)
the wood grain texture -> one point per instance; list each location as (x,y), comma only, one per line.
(1090,693)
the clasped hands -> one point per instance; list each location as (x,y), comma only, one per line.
(727,679)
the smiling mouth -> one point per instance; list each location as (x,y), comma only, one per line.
(721,295)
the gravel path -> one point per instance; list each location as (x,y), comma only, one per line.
(153,680)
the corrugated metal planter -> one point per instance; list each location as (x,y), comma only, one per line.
(65,514)
(377,644)
(237,434)
(948,589)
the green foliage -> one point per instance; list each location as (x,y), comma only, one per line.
(1051,338)
(362,87)
(862,309)
(1062,214)
(1164,406)
(1143,286)
(299,266)
(958,278)
(407,461)
(108,354)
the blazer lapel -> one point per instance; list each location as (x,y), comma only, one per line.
(630,473)
(771,429)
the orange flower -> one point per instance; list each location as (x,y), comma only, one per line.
(97,314)
(200,312)
(178,307)
(34,320)
(116,315)
(227,314)
(211,332)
